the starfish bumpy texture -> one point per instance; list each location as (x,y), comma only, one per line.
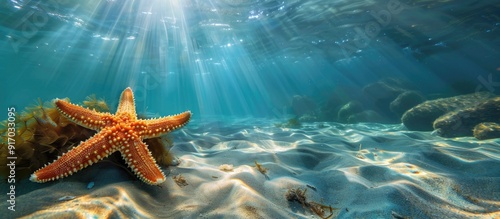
(121,132)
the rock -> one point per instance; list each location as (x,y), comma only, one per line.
(308,118)
(349,109)
(382,93)
(388,88)
(405,101)
(302,105)
(291,123)
(487,130)
(340,96)
(366,116)
(422,116)
(462,122)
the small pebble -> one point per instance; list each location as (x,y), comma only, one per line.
(90,185)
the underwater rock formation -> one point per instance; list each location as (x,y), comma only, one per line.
(349,109)
(308,118)
(302,105)
(405,101)
(462,122)
(384,90)
(339,97)
(487,130)
(366,116)
(386,100)
(291,123)
(422,116)
(382,93)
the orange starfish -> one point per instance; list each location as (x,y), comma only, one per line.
(121,132)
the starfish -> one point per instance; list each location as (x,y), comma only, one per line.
(121,132)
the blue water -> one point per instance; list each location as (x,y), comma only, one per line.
(241,58)
(232,61)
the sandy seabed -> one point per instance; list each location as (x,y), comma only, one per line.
(361,171)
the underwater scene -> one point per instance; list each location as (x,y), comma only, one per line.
(250,109)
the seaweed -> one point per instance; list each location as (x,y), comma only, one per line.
(298,195)
(261,169)
(98,105)
(180,180)
(311,187)
(42,134)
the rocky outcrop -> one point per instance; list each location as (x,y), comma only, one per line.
(422,116)
(366,116)
(349,109)
(405,101)
(339,97)
(462,122)
(384,101)
(385,90)
(390,98)
(487,130)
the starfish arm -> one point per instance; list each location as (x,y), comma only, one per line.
(140,160)
(82,116)
(87,153)
(127,104)
(160,126)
